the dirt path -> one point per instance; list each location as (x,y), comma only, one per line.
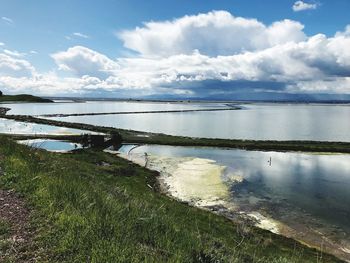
(16,235)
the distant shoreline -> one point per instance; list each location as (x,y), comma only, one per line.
(84,99)
(23,98)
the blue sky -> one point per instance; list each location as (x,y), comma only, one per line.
(72,47)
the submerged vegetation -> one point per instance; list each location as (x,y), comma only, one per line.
(91,206)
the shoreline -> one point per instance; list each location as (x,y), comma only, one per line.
(300,232)
(152,138)
(128,199)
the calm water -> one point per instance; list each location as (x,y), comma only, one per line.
(257,122)
(317,185)
(15,127)
(51,145)
(65,107)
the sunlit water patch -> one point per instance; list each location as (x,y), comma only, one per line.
(51,145)
(304,196)
(24,128)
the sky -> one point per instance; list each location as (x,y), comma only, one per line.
(223,49)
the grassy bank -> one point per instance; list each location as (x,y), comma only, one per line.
(130,136)
(93,207)
(22,98)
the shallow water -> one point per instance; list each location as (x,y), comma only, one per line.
(24,128)
(51,145)
(255,122)
(307,192)
(66,107)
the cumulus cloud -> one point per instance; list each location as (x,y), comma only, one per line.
(289,64)
(2,44)
(214,33)
(204,55)
(14,67)
(83,61)
(301,6)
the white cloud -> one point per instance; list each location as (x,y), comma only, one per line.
(2,44)
(14,53)
(301,6)
(279,57)
(330,86)
(315,59)
(214,33)
(7,20)
(345,33)
(14,67)
(83,61)
(77,34)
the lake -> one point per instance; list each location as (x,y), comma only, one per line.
(66,107)
(300,195)
(254,122)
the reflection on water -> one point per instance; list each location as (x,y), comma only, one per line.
(307,192)
(64,107)
(316,183)
(15,127)
(256,122)
(51,145)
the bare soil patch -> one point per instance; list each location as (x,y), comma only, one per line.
(16,238)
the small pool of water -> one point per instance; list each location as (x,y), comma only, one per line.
(25,128)
(51,145)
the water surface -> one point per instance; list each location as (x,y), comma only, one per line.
(24,128)
(66,107)
(297,188)
(255,122)
(51,145)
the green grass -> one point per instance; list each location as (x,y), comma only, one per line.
(5,230)
(22,98)
(85,212)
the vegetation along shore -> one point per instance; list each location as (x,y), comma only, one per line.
(96,207)
(22,98)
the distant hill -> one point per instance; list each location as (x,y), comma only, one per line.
(22,98)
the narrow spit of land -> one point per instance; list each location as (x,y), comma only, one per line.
(135,112)
(137,137)
(91,206)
